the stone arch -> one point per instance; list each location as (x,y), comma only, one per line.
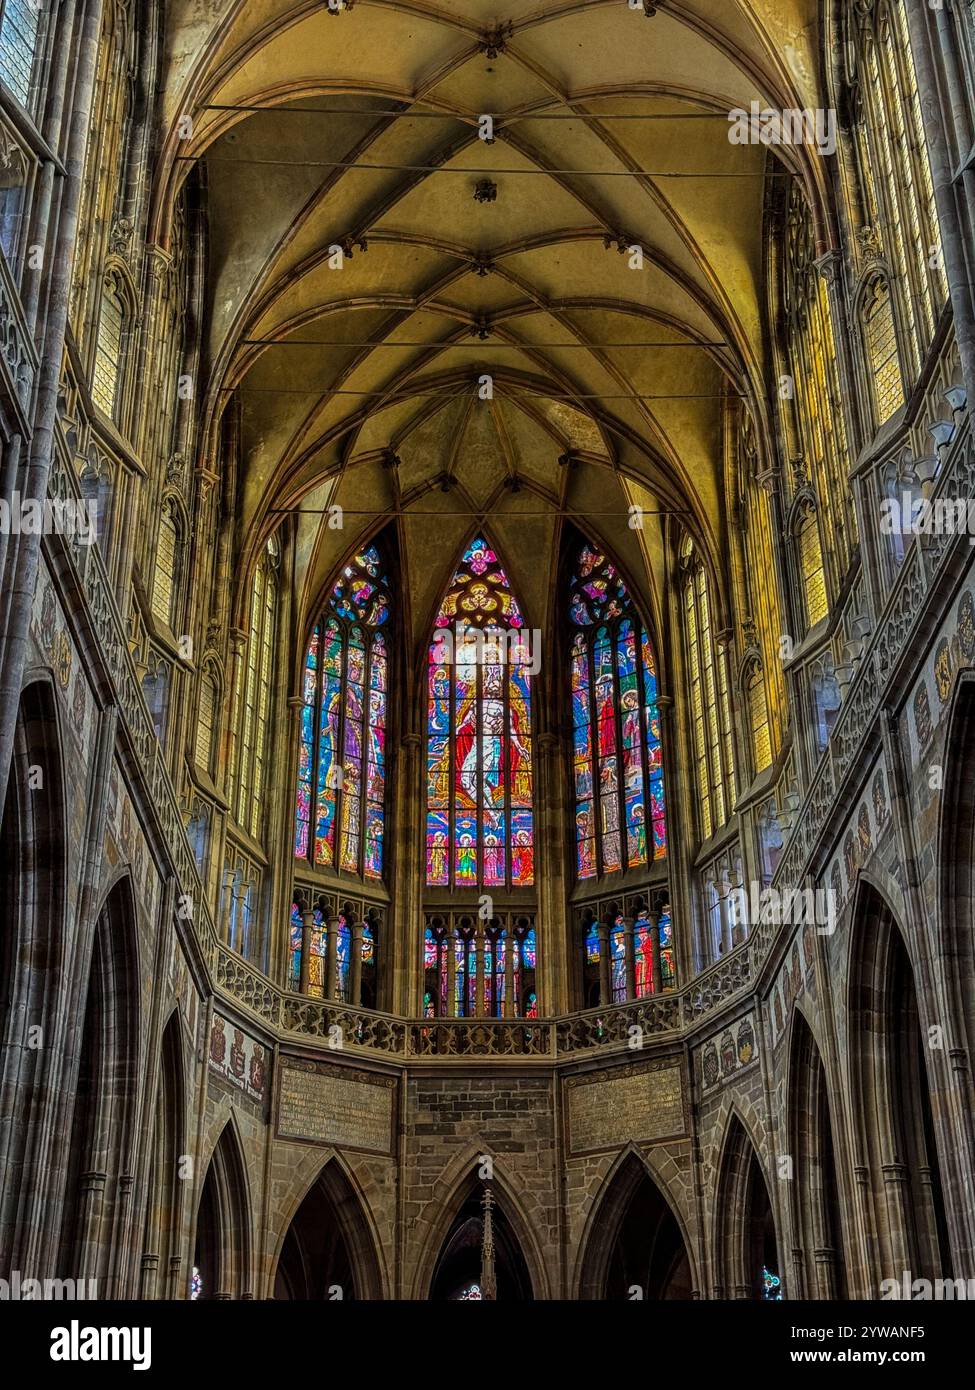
(745,1230)
(955,857)
(895,1130)
(223,1240)
(103,1081)
(161,1250)
(611,1217)
(330,1224)
(33,877)
(454,1187)
(813,1194)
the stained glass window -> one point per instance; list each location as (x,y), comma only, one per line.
(911,237)
(713,752)
(878,324)
(498,942)
(810,556)
(108,348)
(771,1285)
(165,574)
(196,1283)
(19,36)
(480,828)
(814,380)
(617,757)
(339,809)
(252,696)
(758,717)
(318,954)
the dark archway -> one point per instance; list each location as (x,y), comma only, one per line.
(747,1263)
(105,1074)
(328,1251)
(635,1248)
(32,897)
(459,1265)
(164,1212)
(893,1101)
(222,1252)
(817,1219)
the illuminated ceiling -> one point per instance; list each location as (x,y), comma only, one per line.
(358,385)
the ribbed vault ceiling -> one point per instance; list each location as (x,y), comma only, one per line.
(338,372)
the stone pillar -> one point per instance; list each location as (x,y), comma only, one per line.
(480,946)
(605,991)
(307,929)
(451,972)
(826,1284)
(332,958)
(657,965)
(355,964)
(629,948)
(511,945)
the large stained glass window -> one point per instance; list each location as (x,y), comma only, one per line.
(617,760)
(342,753)
(480,829)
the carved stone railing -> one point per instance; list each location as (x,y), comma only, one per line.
(627,1024)
(341,1026)
(480,1037)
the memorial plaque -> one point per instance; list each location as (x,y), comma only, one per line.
(329,1105)
(612,1108)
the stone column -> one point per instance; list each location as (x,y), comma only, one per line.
(307,930)
(480,946)
(605,991)
(355,964)
(658,977)
(511,945)
(451,972)
(332,947)
(630,957)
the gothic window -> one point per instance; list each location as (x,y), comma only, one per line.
(757,702)
(205,721)
(108,346)
(20,23)
(480,828)
(809,556)
(342,749)
(252,696)
(165,574)
(813,379)
(617,758)
(881,344)
(344,938)
(508,958)
(710,705)
(903,185)
(760,582)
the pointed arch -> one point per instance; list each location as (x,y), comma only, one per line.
(617,753)
(891,1086)
(814,1193)
(164,1212)
(103,1065)
(223,1236)
(457,1184)
(747,1260)
(955,939)
(635,1236)
(480,770)
(329,1240)
(340,803)
(33,877)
